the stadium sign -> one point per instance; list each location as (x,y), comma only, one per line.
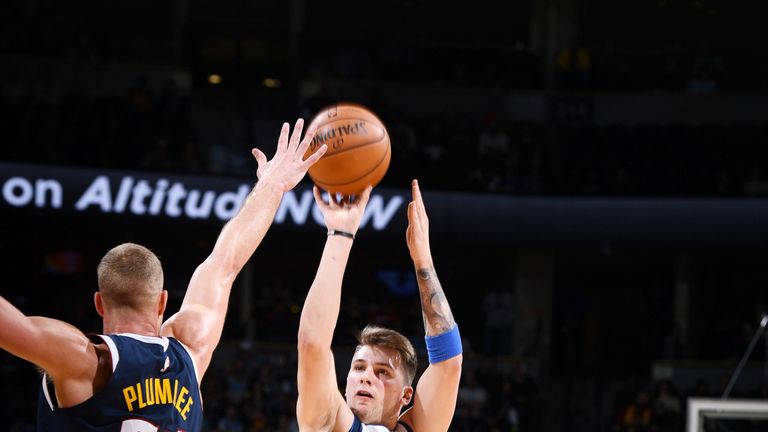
(494,220)
(146,195)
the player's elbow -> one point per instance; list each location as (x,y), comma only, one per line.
(452,366)
(312,426)
(313,420)
(456,362)
(309,343)
(221,266)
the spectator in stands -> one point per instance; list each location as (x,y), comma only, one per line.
(701,82)
(493,140)
(708,60)
(231,422)
(498,309)
(636,416)
(237,381)
(493,147)
(573,67)
(667,407)
(700,388)
(473,397)
(524,390)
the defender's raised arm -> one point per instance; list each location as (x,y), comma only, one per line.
(200,321)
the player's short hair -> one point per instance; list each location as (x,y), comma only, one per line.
(376,336)
(131,276)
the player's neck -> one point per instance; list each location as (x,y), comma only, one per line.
(390,422)
(130,323)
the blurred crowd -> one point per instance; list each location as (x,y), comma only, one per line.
(149,128)
(660,406)
(143,129)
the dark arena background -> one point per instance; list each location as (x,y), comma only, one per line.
(596,175)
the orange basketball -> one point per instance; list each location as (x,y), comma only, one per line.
(358,149)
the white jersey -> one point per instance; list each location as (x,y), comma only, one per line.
(358,426)
(373,428)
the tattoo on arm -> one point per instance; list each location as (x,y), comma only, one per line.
(435,310)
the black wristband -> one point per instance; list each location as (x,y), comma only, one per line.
(341,233)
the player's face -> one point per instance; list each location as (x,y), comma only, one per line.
(375,384)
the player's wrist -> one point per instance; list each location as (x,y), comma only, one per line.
(272,186)
(422,263)
(332,232)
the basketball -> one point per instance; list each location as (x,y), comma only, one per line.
(358,149)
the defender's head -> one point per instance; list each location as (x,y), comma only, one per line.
(380,376)
(130,281)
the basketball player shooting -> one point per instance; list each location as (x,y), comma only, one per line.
(380,377)
(143,374)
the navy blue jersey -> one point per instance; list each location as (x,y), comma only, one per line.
(153,388)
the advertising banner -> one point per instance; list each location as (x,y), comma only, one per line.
(498,220)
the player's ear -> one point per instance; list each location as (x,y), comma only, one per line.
(162,303)
(407,395)
(98,301)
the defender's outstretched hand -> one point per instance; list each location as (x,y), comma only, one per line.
(287,167)
(417,234)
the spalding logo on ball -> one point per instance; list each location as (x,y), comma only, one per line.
(358,149)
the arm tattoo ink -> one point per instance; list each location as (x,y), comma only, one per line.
(435,310)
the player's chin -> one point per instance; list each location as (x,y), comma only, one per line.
(362,411)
